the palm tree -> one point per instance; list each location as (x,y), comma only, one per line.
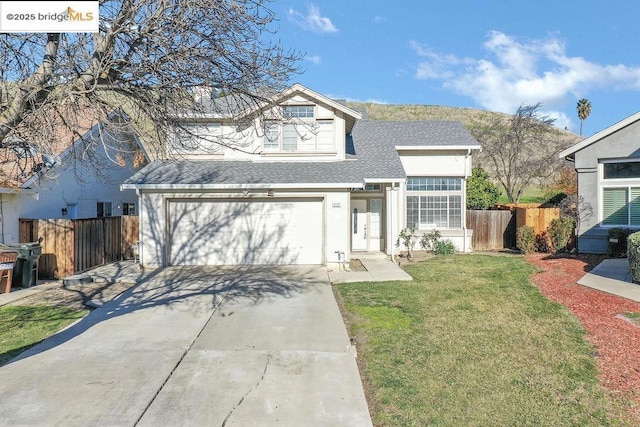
(584,109)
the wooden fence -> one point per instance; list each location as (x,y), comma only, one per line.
(492,229)
(71,246)
(538,218)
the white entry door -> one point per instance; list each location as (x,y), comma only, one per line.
(359,236)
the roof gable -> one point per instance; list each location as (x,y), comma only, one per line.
(570,152)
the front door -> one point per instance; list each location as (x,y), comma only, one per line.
(359,237)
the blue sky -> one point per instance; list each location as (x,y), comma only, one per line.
(491,54)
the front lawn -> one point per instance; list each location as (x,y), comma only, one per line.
(470,341)
(22,327)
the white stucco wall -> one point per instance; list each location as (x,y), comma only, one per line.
(436,163)
(75,187)
(154,223)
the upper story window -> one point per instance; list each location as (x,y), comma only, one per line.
(621,170)
(197,138)
(300,131)
(298,111)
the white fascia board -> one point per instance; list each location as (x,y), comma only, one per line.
(600,135)
(438,147)
(383,180)
(238,186)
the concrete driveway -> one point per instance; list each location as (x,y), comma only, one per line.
(196,346)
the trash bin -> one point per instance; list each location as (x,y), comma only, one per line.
(25,271)
(7,262)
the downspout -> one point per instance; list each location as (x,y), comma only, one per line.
(390,231)
(140,245)
(464,211)
(2,219)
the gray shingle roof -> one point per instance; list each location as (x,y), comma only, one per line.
(371,156)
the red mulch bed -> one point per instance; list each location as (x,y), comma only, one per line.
(616,340)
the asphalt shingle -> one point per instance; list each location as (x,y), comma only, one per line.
(371,156)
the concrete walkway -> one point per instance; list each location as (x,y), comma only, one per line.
(379,269)
(196,346)
(613,276)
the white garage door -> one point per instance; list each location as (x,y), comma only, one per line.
(231,232)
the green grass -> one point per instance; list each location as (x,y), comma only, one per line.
(25,326)
(532,194)
(471,342)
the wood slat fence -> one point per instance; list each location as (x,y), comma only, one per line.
(492,229)
(71,246)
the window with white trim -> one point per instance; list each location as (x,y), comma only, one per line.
(434,203)
(621,206)
(620,187)
(299,132)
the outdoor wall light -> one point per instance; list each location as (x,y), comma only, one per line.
(64,211)
(270,193)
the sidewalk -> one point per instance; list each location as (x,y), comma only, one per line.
(379,269)
(128,271)
(613,276)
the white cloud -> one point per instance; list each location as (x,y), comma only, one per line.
(314,59)
(515,72)
(312,21)
(378,19)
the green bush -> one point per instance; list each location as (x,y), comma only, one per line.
(444,247)
(481,192)
(526,239)
(617,242)
(633,253)
(560,231)
(428,240)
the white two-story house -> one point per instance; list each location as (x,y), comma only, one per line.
(305,180)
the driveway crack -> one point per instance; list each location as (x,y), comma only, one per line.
(237,405)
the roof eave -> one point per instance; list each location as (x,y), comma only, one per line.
(265,186)
(600,135)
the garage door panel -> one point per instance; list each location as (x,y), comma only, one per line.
(256,232)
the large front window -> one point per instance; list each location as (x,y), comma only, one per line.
(299,132)
(434,203)
(621,206)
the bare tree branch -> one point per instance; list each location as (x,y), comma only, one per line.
(522,149)
(149,60)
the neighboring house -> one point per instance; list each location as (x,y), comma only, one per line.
(608,167)
(63,186)
(309,183)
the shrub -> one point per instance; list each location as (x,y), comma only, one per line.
(617,242)
(428,240)
(526,239)
(406,238)
(560,231)
(444,247)
(633,253)
(542,242)
(481,192)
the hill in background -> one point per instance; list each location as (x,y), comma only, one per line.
(471,118)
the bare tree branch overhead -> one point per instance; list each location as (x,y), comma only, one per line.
(521,149)
(148,60)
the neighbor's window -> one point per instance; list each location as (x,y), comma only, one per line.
(622,170)
(128,208)
(434,203)
(621,206)
(103,209)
